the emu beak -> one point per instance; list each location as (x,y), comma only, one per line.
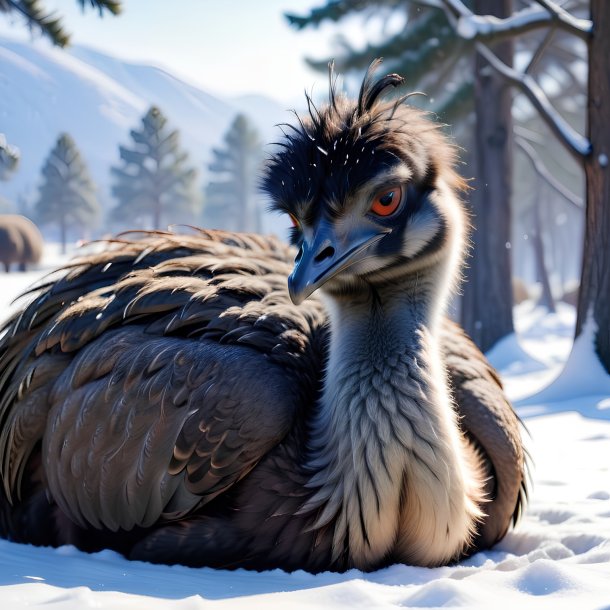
(327,253)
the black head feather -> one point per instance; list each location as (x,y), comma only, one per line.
(335,149)
(371,90)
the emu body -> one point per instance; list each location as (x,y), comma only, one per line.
(175,399)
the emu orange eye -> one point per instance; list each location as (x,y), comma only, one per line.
(294,221)
(387,202)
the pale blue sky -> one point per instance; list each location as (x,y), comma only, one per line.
(228,47)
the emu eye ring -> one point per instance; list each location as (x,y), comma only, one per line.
(386,202)
(294,221)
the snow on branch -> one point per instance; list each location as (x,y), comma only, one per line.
(470,26)
(546,175)
(576,143)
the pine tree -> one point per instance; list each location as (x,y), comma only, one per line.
(67,194)
(230,200)
(154,186)
(9,158)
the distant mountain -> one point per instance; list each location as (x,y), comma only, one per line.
(98,99)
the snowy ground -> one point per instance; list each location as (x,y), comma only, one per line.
(558,557)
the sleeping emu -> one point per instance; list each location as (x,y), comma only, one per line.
(176,399)
(20,241)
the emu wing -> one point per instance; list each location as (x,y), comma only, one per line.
(493,429)
(154,376)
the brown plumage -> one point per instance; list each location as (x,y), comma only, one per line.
(167,399)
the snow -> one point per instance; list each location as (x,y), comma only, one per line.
(470,26)
(582,374)
(558,556)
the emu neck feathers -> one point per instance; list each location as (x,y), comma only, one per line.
(389,459)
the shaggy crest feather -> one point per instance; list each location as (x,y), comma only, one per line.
(337,148)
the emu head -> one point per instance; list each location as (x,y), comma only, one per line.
(369,187)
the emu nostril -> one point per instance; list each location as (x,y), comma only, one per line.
(328,252)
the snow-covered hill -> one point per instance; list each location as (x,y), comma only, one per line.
(98,99)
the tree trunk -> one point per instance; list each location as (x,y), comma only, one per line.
(546,296)
(594,295)
(63,233)
(487,303)
(242,177)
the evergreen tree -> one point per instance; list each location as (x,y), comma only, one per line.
(230,199)
(154,186)
(67,194)
(36,16)
(9,158)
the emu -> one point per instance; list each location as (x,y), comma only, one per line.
(174,398)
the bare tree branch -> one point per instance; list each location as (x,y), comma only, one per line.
(530,135)
(546,175)
(542,47)
(577,144)
(487,27)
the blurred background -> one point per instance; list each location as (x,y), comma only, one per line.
(164,113)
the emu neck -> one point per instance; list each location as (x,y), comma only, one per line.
(376,326)
(385,438)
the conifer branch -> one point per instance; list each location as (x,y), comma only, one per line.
(49,24)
